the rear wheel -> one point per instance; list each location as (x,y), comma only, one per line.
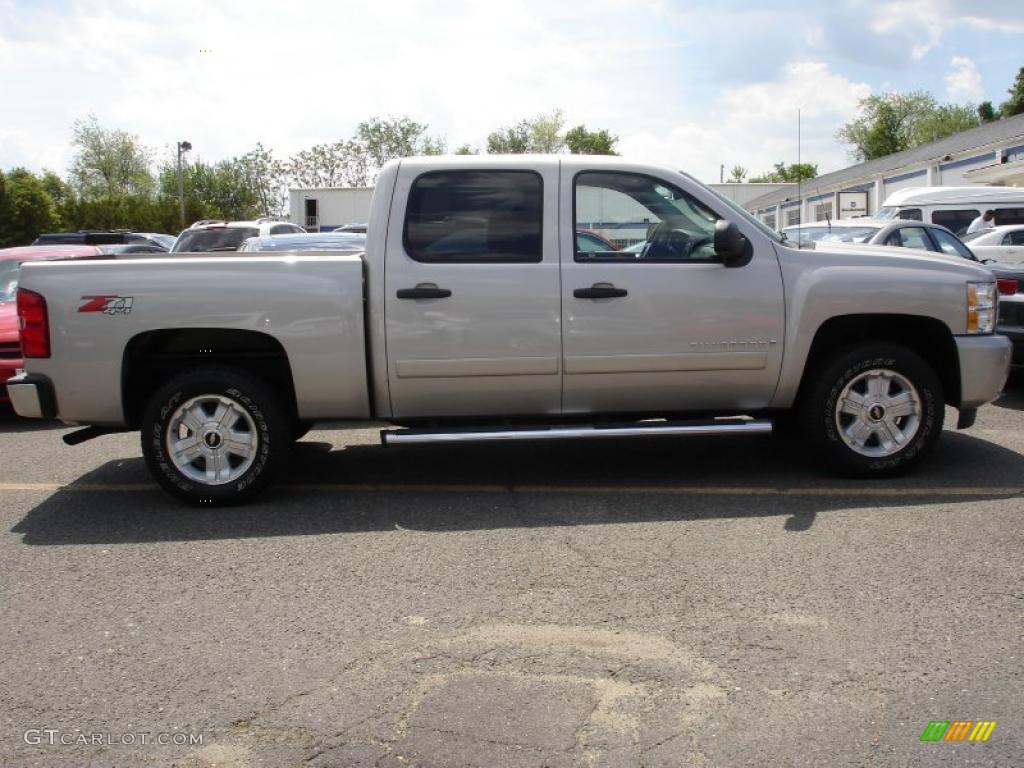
(214,436)
(874,410)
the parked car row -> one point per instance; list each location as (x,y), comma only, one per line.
(989,246)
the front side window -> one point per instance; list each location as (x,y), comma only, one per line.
(952,246)
(1016,238)
(955,221)
(665,223)
(468,217)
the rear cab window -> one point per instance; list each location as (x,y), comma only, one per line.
(473,217)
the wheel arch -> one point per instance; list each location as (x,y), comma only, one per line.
(927,336)
(153,357)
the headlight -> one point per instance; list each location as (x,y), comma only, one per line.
(982,305)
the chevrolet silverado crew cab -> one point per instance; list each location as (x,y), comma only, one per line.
(474,315)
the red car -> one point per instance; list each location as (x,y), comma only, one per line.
(11,260)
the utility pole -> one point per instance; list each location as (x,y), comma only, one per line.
(183,146)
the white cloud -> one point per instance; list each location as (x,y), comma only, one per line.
(918,24)
(963,83)
(756,125)
(293,79)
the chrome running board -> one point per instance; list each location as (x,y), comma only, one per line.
(589,432)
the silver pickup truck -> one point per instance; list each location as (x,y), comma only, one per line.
(513,298)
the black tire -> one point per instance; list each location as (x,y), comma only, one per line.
(258,405)
(820,424)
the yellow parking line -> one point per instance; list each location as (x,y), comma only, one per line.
(669,490)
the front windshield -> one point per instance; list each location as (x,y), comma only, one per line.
(887,212)
(213,239)
(9,280)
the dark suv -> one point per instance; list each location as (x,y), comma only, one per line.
(101,237)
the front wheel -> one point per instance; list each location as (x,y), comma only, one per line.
(214,436)
(874,410)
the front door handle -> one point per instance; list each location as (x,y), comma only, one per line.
(600,291)
(424,291)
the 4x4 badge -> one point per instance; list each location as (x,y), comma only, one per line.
(108,305)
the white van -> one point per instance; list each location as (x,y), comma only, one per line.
(954,207)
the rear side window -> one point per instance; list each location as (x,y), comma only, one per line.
(955,221)
(1014,238)
(472,217)
(1009,216)
(222,239)
(910,237)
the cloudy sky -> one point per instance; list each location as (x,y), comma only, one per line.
(682,83)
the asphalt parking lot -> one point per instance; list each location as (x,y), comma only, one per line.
(661,602)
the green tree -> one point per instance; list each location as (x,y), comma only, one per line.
(27,207)
(546,133)
(385,139)
(466,149)
(341,164)
(986,112)
(737,174)
(267,177)
(511,140)
(894,122)
(542,134)
(1015,104)
(212,190)
(580,141)
(108,162)
(783,173)
(944,120)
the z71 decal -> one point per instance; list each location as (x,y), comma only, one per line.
(108,305)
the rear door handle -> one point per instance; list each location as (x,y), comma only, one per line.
(424,291)
(600,291)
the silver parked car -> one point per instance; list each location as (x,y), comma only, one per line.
(900,233)
(309,241)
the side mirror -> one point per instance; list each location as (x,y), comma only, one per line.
(731,245)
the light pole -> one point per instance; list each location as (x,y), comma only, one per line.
(183,146)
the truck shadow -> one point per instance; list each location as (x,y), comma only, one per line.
(12,423)
(463,488)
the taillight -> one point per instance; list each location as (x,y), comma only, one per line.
(33,324)
(1007,286)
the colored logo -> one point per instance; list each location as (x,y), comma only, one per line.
(958,730)
(108,305)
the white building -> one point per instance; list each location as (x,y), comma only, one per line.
(321,210)
(992,153)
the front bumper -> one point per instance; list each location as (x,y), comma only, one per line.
(32,396)
(984,366)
